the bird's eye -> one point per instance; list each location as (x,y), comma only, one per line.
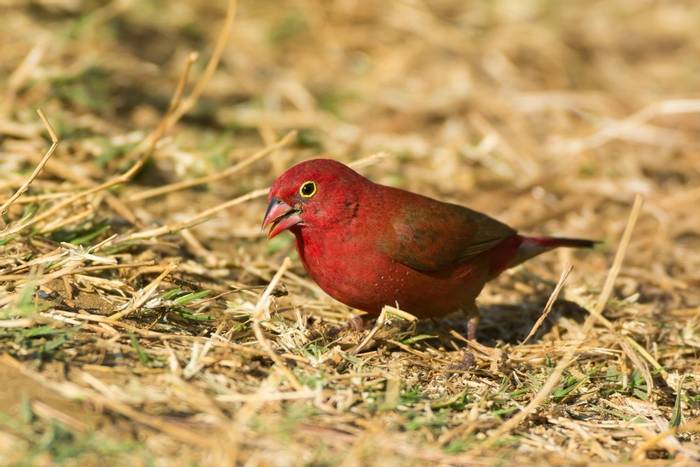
(307,189)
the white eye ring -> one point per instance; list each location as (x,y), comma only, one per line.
(308,189)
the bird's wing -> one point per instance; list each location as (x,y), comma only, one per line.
(429,235)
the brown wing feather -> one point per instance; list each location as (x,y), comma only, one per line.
(429,235)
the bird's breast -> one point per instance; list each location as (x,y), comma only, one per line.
(346,267)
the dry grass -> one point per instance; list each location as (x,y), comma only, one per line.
(145,319)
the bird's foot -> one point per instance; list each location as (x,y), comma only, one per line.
(494,355)
(357,323)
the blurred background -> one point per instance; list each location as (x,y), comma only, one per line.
(547,115)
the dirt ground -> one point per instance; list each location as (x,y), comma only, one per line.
(146,320)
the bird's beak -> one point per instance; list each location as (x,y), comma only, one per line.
(280,216)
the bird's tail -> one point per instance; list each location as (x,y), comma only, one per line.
(533,246)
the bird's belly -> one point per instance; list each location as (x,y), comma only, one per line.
(368,280)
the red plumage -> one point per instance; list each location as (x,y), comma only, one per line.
(369,245)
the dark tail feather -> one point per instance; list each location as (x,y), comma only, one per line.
(533,246)
(554,242)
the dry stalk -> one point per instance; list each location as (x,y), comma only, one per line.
(261,308)
(25,186)
(23,71)
(378,324)
(145,294)
(182,185)
(198,219)
(177,109)
(73,391)
(200,85)
(569,358)
(550,303)
(641,450)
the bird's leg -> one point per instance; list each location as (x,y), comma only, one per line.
(472,325)
(473,316)
(471,312)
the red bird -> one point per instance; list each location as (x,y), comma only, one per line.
(369,245)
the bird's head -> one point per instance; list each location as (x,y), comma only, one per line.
(316,193)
